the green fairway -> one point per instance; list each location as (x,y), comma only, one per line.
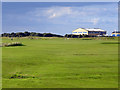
(60,63)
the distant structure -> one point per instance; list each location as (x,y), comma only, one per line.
(89,31)
(116,33)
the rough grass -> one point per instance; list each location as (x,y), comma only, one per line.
(87,39)
(111,42)
(60,63)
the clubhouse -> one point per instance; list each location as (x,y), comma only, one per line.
(89,31)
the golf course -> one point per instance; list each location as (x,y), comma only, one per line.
(51,62)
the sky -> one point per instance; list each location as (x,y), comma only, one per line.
(58,17)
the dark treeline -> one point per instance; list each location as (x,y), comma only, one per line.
(25,34)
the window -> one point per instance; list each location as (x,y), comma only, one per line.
(84,32)
(96,32)
(79,32)
(74,32)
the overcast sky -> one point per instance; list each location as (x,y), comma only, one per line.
(59,18)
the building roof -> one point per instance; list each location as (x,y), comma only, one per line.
(94,29)
(91,29)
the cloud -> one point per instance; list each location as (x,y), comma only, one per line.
(54,12)
(58,14)
(95,21)
(58,11)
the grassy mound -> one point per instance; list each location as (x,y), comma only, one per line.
(20,76)
(12,44)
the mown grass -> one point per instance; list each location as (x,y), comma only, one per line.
(60,63)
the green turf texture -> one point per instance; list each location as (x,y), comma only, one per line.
(60,63)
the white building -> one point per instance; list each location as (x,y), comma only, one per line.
(89,31)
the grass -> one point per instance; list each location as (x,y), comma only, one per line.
(111,43)
(60,63)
